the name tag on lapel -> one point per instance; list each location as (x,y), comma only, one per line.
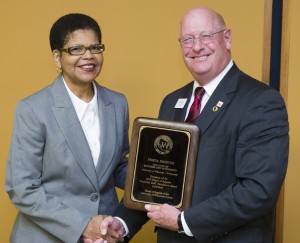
(180,103)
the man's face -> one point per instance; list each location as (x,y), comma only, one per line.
(205,59)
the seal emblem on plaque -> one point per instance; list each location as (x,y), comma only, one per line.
(163,144)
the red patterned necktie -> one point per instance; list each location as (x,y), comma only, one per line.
(196,106)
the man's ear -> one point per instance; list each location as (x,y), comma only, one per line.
(227,37)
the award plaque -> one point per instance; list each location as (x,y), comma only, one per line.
(161,164)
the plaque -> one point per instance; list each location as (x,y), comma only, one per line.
(161,164)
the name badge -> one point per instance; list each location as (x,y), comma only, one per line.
(180,103)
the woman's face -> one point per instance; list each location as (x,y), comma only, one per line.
(83,69)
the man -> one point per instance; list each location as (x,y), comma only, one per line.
(243,150)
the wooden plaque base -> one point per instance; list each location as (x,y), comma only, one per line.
(161,165)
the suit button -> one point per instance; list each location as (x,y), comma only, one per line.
(94,197)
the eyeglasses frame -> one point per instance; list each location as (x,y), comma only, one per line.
(86,48)
(211,35)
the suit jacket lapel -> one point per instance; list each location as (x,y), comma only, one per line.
(70,126)
(221,94)
(108,135)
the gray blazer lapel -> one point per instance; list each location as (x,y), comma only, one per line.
(70,126)
(221,94)
(108,135)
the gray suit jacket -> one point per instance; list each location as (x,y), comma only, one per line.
(242,161)
(51,177)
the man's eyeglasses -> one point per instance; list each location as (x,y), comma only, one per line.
(189,40)
(80,50)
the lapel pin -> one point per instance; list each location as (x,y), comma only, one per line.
(215,108)
(220,103)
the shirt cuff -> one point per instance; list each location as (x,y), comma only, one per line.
(124,225)
(186,228)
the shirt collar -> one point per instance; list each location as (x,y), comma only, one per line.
(80,105)
(212,85)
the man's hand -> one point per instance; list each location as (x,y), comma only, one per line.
(164,216)
(111,224)
(92,232)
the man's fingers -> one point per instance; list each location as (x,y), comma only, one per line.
(114,234)
(100,241)
(111,222)
(85,240)
(105,224)
(152,208)
(111,239)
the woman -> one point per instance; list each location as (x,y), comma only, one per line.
(69,143)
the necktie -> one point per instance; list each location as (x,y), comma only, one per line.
(196,106)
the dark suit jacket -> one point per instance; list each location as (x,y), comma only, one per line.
(241,163)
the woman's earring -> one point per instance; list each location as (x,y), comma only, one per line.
(58,69)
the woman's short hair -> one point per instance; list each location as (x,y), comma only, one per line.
(67,24)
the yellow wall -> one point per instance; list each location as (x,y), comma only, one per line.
(292,183)
(142,60)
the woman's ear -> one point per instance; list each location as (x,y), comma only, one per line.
(56,58)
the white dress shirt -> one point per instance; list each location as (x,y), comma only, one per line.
(209,88)
(89,119)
